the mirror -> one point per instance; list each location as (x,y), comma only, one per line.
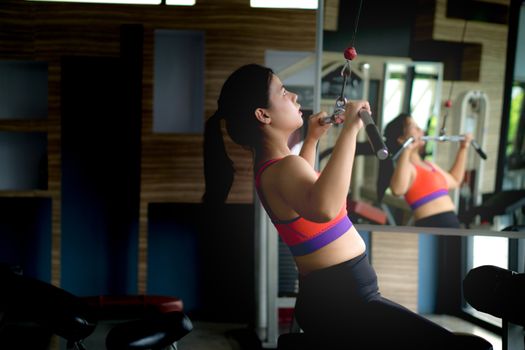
(398,83)
(511,178)
(414,87)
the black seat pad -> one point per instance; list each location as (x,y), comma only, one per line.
(155,332)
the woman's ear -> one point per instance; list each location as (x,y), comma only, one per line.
(401,140)
(260,114)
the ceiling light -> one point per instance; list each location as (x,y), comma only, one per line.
(128,2)
(180,2)
(288,4)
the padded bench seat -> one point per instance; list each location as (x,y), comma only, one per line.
(132,306)
(151,321)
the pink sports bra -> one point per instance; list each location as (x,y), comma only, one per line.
(304,236)
(427,186)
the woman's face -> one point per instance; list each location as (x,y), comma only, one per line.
(411,130)
(283,107)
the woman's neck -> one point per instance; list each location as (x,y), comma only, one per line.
(416,158)
(272,148)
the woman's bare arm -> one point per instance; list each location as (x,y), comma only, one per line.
(403,175)
(315,131)
(456,173)
(320,198)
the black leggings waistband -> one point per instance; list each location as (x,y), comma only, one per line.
(354,277)
(448,219)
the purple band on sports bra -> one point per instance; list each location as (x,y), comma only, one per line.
(428,198)
(322,239)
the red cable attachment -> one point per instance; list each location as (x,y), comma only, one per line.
(350,53)
(448,103)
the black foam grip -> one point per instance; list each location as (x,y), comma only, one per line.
(374,137)
(478,149)
(376,142)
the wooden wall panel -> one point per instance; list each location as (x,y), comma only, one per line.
(234,35)
(395,259)
(171,167)
(16,31)
(331,15)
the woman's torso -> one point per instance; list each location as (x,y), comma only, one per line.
(347,246)
(426,175)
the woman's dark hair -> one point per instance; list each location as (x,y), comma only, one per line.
(245,90)
(392,132)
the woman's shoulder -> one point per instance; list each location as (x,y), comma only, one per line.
(292,158)
(291,165)
(277,162)
(433,165)
(294,161)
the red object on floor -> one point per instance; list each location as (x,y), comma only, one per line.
(367,211)
(286,314)
(130,306)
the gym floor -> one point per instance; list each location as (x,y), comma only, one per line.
(204,336)
(232,336)
(218,336)
(458,325)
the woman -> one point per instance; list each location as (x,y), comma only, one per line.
(425,187)
(423,183)
(338,302)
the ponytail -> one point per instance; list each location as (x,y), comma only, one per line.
(393,131)
(245,90)
(218,167)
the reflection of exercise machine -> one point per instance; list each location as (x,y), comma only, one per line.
(442,138)
(471,115)
(496,206)
(30,307)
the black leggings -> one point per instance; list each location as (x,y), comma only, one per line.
(341,305)
(448,219)
(449,261)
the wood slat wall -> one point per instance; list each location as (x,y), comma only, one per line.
(331,15)
(171,165)
(395,259)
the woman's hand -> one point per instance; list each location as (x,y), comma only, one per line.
(466,142)
(415,146)
(457,171)
(315,129)
(352,119)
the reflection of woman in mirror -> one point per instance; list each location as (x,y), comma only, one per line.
(423,183)
(338,299)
